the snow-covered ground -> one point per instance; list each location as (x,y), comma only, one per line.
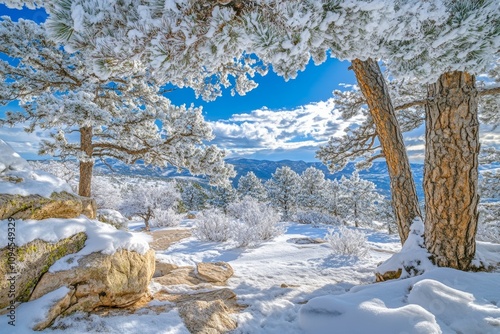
(304,288)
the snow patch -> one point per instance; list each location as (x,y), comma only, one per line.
(22,179)
(413,257)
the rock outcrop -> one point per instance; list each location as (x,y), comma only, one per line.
(31,262)
(202,317)
(206,312)
(59,205)
(214,272)
(116,280)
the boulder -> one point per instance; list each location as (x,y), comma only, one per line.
(201,317)
(31,261)
(214,272)
(205,312)
(181,275)
(107,280)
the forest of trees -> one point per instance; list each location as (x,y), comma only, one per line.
(432,54)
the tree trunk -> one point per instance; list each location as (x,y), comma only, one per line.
(451,170)
(376,93)
(86,164)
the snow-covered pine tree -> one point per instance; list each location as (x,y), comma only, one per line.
(282,190)
(250,185)
(332,203)
(312,189)
(193,195)
(123,117)
(359,198)
(222,196)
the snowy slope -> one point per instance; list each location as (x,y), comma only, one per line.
(301,289)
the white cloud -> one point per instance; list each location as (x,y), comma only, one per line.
(266,132)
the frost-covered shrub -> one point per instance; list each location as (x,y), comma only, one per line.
(106,192)
(488,228)
(165,218)
(255,222)
(315,218)
(112,217)
(212,225)
(347,242)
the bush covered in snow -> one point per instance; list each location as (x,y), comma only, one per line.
(488,228)
(112,217)
(212,225)
(248,223)
(165,218)
(315,218)
(347,242)
(254,222)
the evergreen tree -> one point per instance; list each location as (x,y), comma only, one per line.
(123,117)
(250,185)
(282,190)
(312,189)
(221,197)
(359,199)
(193,196)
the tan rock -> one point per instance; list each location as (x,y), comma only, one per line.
(57,308)
(116,280)
(181,275)
(162,269)
(382,277)
(202,317)
(31,262)
(59,205)
(214,272)
(224,294)
(89,207)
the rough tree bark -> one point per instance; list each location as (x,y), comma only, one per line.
(376,93)
(451,170)
(86,166)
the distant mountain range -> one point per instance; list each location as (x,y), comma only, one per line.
(264,169)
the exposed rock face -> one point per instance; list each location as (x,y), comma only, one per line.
(89,207)
(206,312)
(59,205)
(116,280)
(216,272)
(182,275)
(203,317)
(32,261)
